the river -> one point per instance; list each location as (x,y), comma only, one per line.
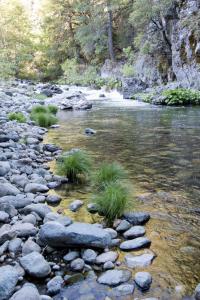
(159,146)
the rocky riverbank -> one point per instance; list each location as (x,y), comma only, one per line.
(44,254)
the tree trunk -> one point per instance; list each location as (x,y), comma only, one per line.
(110,32)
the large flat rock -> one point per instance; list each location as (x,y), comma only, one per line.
(56,235)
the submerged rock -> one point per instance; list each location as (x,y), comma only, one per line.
(137,243)
(134,232)
(75,205)
(143,280)
(139,261)
(114,277)
(137,218)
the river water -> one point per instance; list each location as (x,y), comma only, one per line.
(159,147)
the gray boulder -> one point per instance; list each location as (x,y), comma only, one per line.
(35,265)
(134,232)
(197,292)
(134,244)
(63,220)
(15,245)
(8,189)
(71,256)
(114,277)
(53,199)
(24,229)
(143,280)
(137,218)
(41,209)
(30,246)
(8,280)
(123,226)
(76,234)
(54,285)
(77,264)
(4,217)
(107,256)
(6,233)
(28,292)
(35,188)
(89,256)
(4,168)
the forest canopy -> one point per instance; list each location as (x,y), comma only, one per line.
(46,39)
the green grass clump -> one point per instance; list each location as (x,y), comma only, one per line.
(39,109)
(75,166)
(108,173)
(53,109)
(44,116)
(44,119)
(112,201)
(39,96)
(17,116)
(182,97)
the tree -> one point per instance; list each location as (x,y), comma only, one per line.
(15,39)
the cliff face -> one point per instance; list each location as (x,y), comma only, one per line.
(186,44)
(162,63)
(183,62)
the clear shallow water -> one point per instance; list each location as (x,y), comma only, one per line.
(160,149)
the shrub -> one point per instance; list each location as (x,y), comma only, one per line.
(181,97)
(112,201)
(53,109)
(128,70)
(108,173)
(74,166)
(44,119)
(18,116)
(39,109)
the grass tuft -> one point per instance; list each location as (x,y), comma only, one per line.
(112,201)
(74,166)
(17,116)
(108,173)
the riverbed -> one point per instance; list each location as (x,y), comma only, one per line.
(159,147)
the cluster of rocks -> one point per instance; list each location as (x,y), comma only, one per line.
(37,243)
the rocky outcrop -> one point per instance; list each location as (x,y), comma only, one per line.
(157,63)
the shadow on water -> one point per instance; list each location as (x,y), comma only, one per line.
(160,149)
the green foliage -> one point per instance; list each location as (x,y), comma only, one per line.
(79,74)
(128,70)
(39,96)
(145,97)
(75,166)
(53,109)
(44,119)
(108,173)
(17,116)
(44,116)
(39,109)
(112,201)
(182,97)
(16,40)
